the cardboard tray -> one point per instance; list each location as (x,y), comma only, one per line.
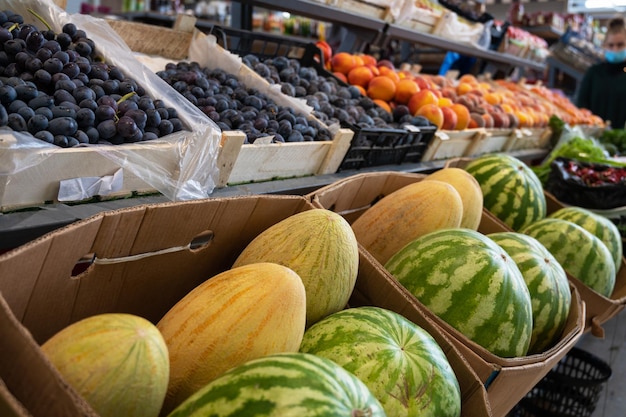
(152,256)
(507,380)
(598,308)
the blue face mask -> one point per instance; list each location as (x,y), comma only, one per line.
(615,56)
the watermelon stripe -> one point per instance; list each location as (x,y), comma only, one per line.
(511,190)
(597,225)
(489,302)
(547,283)
(294,384)
(579,252)
(400,362)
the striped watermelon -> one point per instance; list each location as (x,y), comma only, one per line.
(597,225)
(511,190)
(402,365)
(548,285)
(471,283)
(283,385)
(579,252)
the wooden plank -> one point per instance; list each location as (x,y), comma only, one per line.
(449,144)
(232,141)
(184,23)
(338,149)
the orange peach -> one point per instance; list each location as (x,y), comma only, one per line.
(381,87)
(368,59)
(449,118)
(342,62)
(383,104)
(433,113)
(462,116)
(341,76)
(405,88)
(444,102)
(360,76)
(420,99)
(422,82)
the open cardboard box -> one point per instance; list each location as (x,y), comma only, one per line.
(142,260)
(507,380)
(598,308)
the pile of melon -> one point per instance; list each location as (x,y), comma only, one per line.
(268,337)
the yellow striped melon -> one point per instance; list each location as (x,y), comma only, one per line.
(469,190)
(117,362)
(321,248)
(406,214)
(236,316)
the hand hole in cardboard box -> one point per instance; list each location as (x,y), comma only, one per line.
(83,264)
(201,240)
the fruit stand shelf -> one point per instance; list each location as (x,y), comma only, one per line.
(401,33)
(20,227)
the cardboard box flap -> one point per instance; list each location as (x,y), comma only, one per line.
(22,367)
(131,258)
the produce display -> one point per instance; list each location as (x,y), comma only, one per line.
(55,87)
(442,267)
(118,362)
(400,363)
(321,248)
(547,283)
(511,190)
(280,385)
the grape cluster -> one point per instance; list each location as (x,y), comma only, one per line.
(331,101)
(233,106)
(53,86)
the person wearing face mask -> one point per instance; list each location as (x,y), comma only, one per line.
(603,87)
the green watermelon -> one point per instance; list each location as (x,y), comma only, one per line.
(547,282)
(471,283)
(511,190)
(597,225)
(283,385)
(401,364)
(579,252)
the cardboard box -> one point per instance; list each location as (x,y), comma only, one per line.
(598,308)
(507,380)
(142,260)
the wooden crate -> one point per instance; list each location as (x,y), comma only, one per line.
(494,140)
(423,20)
(530,138)
(363,7)
(451,144)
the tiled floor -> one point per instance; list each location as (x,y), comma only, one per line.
(612,401)
(611,349)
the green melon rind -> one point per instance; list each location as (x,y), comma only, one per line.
(580,253)
(511,190)
(472,284)
(547,283)
(283,385)
(402,365)
(598,226)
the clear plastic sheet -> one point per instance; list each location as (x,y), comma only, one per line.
(460,31)
(181,166)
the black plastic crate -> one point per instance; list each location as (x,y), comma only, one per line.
(571,389)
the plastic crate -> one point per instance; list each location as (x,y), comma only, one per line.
(571,389)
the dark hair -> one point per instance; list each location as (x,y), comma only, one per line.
(616,25)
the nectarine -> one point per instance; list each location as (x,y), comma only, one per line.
(381,87)
(433,113)
(420,99)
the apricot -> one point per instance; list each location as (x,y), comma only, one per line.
(421,98)
(433,113)
(388,72)
(468,78)
(368,59)
(383,104)
(464,88)
(381,87)
(343,62)
(444,101)
(360,76)
(405,88)
(341,76)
